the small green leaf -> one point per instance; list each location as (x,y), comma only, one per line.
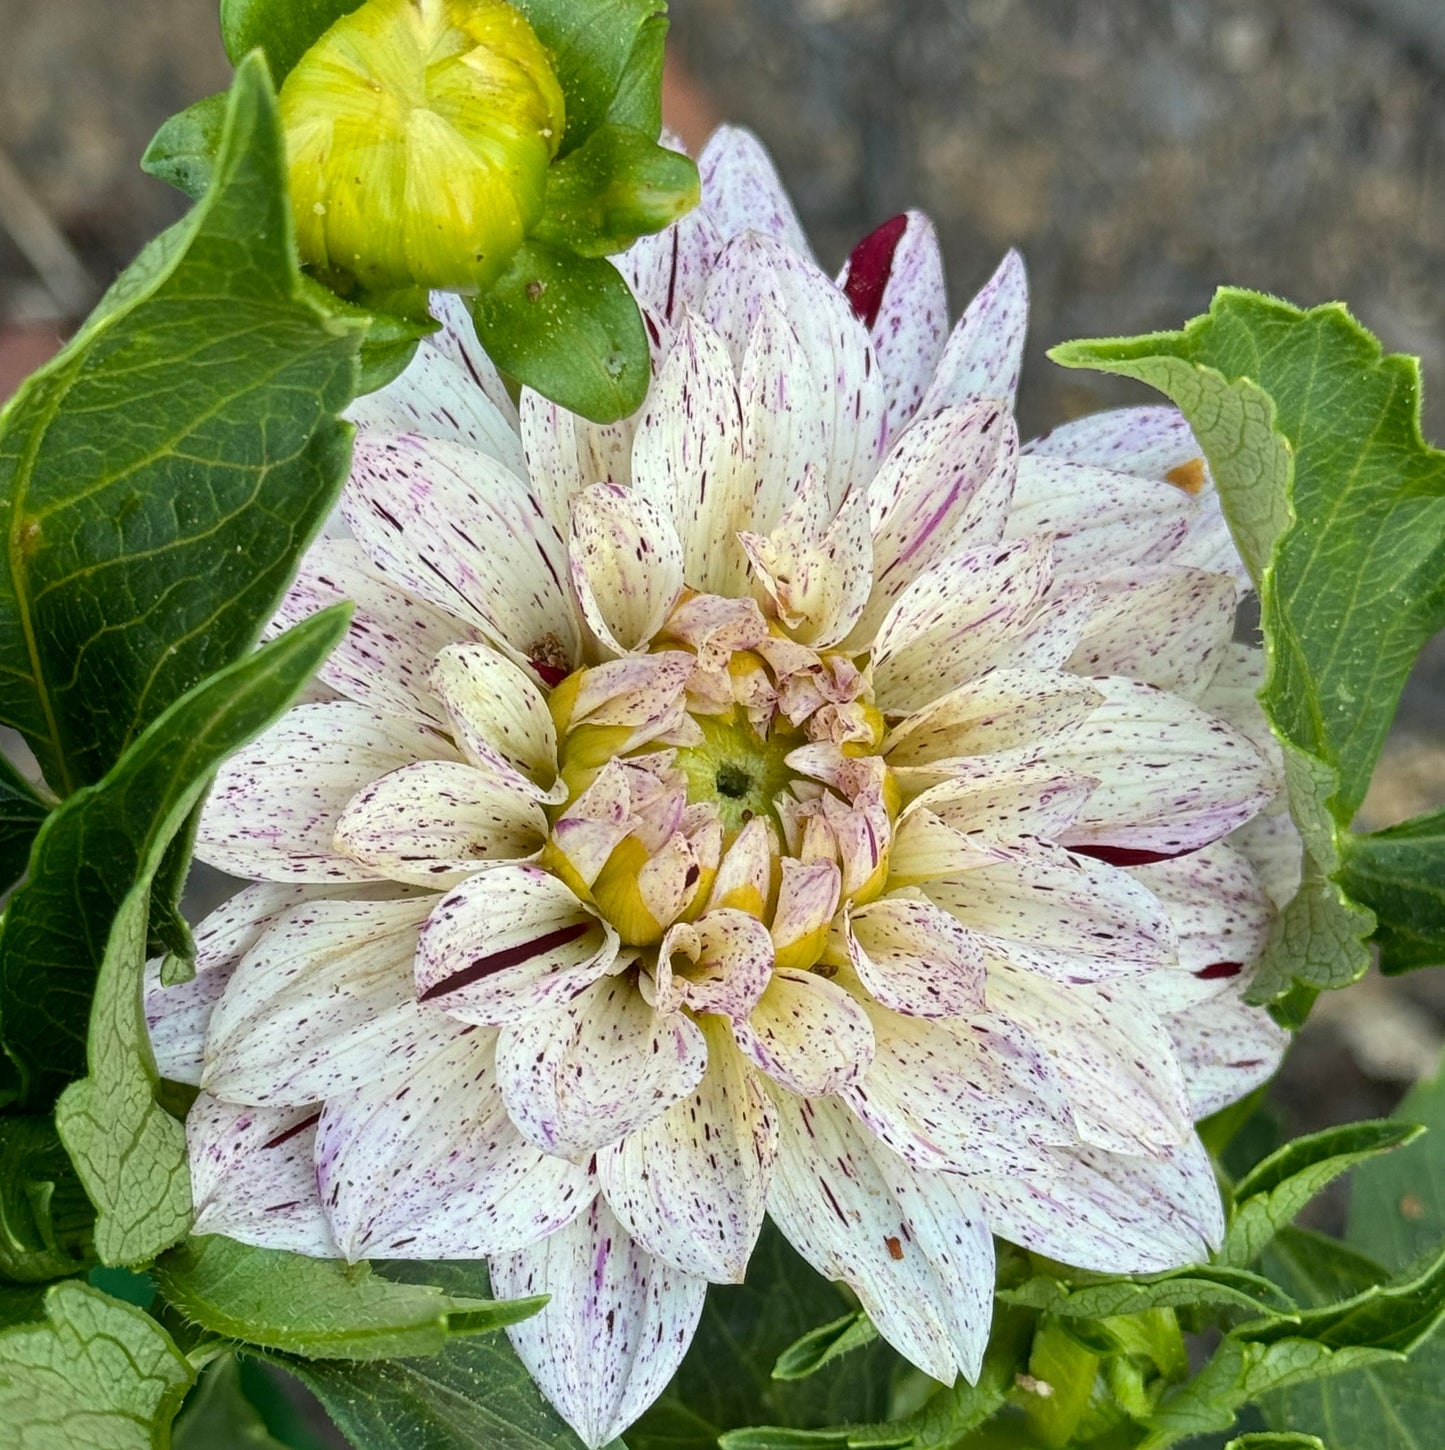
(161,475)
(319,1308)
(45,1216)
(1399,874)
(21,815)
(97,1375)
(568,327)
(1338,507)
(284,29)
(130,1152)
(1208,1286)
(218,1416)
(638,102)
(183,152)
(821,1346)
(1276,1440)
(1316,1269)
(619,186)
(1274,1191)
(592,44)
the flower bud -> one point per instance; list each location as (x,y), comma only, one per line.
(419,134)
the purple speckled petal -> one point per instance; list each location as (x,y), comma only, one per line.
(1226,1048)
(668,270)
(957,620)
(272,812)
(323,1002)
(617,1326)
(454,527)
(457,342)
(1149,442)
(627,565)
(429,1165)
(1000,802)
(1164,625)
(507,942)
(691,1186)
(741,190)
(916,958)
(594,1069)
(914,1246)
(984,353)
(1109,1213)
(722,964)
(253,1177)
(807,1034)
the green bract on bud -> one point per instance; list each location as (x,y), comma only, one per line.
(419,134)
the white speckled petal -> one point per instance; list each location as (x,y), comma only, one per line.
(924,849)
(626,565)
(435,397)
(1065,916)
(617,1326)
(553,447)
(1148,442)
(253,1176)
(691,1186)
(586,1073)
(179,1016)
(1111,1053)
(1006,710)
(944,486)
(386,654)
(1102,522)
(509,941)
(435,822)
(272,812)
(741,190)
(1272,845)
(916,958)
(668,270)
(1002,801)
(957,620)
(807,898)
(908,303)
(808,1034)
(457,342)
(1165,626)
(1233,695)
(722,963)
(687,458)
(322,1003)
(429,1165)
(1222,918)
(1226,1049)
(457,529)
(1109,1213)
(915,1247)
(1171,778)
(984,353)
(499,718)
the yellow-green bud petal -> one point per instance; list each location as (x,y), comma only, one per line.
(418,137)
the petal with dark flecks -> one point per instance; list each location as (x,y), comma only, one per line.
(507,942)
(916,958)
(596,1068)
(1226,1049)
(615,1330)
(691,1186)
(1148,442)
(457,341)
(915,1247)
(807,1034)
(984,353)
(253,1176)
(722,963)
(741,190)
(429,1165)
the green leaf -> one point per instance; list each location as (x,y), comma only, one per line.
(97,1375)
(619,186)
(284,29)
(568,327)
(1204,1287)
(218,1416)
(821,1346)
(45,1216)
(21,813)
(183,152)
(1338,507)
(1316,1269)
(726,1381)
(592,44)
(320,1308)
(1399,873)
(1276,1440)
(130,1152)
(1274,1191)
(160,476)
(638,102)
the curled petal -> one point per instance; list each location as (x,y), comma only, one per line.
(507,942)
(615,1330)
(916,958)
(721,964)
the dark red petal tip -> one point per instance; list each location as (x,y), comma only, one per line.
(870,266)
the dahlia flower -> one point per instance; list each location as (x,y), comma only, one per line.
(798,799)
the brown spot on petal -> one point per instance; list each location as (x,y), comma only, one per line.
(1188,476)
(895,1248)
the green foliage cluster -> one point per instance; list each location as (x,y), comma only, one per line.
(158,483)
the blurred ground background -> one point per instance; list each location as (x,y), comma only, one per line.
(1139,152)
